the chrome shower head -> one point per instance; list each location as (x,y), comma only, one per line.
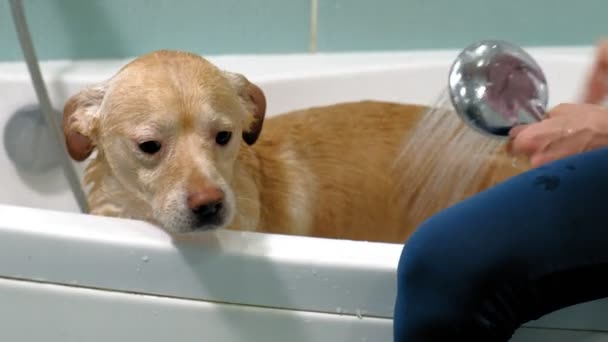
(495,85)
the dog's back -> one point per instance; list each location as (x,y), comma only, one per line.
(343,171)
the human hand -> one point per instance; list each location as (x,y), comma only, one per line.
(568,129)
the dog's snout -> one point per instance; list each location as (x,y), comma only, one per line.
(206,205)
(205,197)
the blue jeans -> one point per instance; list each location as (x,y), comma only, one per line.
(533,244)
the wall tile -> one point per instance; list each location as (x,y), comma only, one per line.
(124,28)
(413,24)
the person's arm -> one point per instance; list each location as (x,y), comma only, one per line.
(596,88)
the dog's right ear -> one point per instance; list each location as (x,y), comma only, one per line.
(80,120)
(254,101)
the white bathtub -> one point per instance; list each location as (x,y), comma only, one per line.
(65,276)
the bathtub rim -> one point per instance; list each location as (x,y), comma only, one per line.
(313,274)
(274,67)
(140,245)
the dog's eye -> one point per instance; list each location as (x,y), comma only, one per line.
(223,137)
(150,147)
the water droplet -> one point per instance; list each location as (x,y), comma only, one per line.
(339,310)
(359,314)
(514,162)
(145,258)
(548,182)
(314,272)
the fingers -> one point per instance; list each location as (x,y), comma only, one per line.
(525,140)
(567,145)
(557,151)
(539,145)
(566,130)
(532,139)
(513,133)
(516,130)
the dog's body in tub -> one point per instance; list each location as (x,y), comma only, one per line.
(180,144)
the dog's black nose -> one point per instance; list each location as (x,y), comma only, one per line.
(206,205)
(208,213)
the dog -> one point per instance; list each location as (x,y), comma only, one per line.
(173,140)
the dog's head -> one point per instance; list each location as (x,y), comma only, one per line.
(169,126)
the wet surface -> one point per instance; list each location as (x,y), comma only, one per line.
(547,182)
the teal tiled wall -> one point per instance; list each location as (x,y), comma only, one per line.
(78,29)
(410,24)
(123,28)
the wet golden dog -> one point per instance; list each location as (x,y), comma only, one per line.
(184,145)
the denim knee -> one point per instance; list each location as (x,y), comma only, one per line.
(425,258)
(446,289)
(424,305)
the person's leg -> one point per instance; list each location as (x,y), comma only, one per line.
(524,248)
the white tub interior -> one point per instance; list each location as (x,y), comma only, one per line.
(65,276)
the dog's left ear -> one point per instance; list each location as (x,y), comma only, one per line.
(80,120)
(254,101)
